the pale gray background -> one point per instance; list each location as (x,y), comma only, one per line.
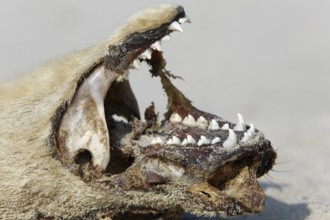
(268,60)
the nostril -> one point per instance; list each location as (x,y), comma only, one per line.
(83,157)
(205,193)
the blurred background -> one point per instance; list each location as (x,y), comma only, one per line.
(268,60)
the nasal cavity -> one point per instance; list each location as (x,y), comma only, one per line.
(83,157)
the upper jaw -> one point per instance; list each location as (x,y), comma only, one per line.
(140,46)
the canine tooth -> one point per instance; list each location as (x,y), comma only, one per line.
(251,132)
(175,26)
(240,126)
(231,140)
(225,126)
(215,140)
(119,118)
(174,141)
(189,120)
(157,140)
(136,64)
(175,117)
(156,46)
(203,141)
(146,54)
(214,125)
(166,38)
(201,122)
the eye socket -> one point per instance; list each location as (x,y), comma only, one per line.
(83,157)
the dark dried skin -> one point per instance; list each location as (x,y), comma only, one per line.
(218,180)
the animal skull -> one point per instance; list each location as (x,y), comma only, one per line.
(73,144)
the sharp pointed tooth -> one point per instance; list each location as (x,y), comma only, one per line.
(136,64)
(166,38)
(225,126)
(175,117)
(184,142)
(246,137)
(189,120)
(215,140)
(203,141)
(174,141)
(184,20)
(214,125)
(146,54)
(240,126)
(175,26)
(157,140)
(190,139)
(231,140)
(202,122)
(157,46)
(251,132)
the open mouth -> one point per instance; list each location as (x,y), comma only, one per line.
(102,138)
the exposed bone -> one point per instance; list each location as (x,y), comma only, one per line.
(225,126)
(146,54)
(157,140)
(203,141)
(215,140)
(174,141)
(119,118)
(214,125)
(157,46)
(231,140)
(176,171)
(189,120)
(166,38)
(175,118)
(175,26)
(202,122)
(240,126)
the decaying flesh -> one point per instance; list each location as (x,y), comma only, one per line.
(73,144)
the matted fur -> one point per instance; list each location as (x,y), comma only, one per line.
(32,181)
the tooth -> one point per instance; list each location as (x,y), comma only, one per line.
(246,137)
(251,132)
(175,117)
(203,141)
(225,126)
(190,139)
(136,64)
(215,140)
(214,125)
(240,126)
(166,38)
(157,140)
(174,141)
(175,26)
(184,20)
(231,140)
(189,120)
(146,54)
(156,46)
(201,122)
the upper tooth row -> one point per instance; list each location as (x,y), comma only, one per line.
(174,26)
(203,123)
